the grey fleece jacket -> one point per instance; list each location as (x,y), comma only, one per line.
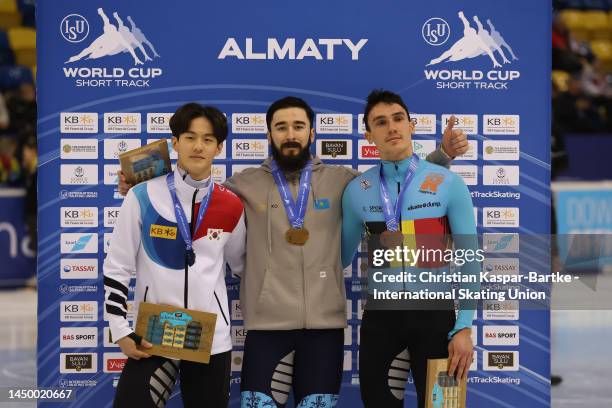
(285,286)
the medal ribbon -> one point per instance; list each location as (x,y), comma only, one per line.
(392,212)
(295,211)
(181,218)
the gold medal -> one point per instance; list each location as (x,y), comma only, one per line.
(297,236)
(391,239)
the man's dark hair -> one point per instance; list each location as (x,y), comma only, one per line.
(382,96)
(181,120)
(289,102)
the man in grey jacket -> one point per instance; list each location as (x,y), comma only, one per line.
(292,292)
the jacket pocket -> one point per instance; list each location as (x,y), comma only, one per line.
(325,298)
(280,301)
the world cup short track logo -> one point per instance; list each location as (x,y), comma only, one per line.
(74,28)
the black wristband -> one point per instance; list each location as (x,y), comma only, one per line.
(137,339)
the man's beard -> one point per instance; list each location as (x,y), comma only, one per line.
(292,162)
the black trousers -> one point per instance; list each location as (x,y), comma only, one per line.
(307,361)
(395,342)
(148,382)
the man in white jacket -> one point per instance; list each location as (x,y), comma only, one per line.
(176,233)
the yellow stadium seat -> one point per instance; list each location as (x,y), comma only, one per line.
(21,38)
(573,19)
(560,79)
(8,6)
(9,20)
(597,24)
(25,57)
(577,23)
(602,49)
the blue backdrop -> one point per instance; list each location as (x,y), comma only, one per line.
(108,83)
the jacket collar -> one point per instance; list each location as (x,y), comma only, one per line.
(316,165)
(396,170)
(184,191)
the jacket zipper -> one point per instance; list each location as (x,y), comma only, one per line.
(145,296)
(220,308)
(191,226)
(294,182)
(399,188)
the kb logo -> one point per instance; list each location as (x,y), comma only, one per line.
(436,31)
(74,28)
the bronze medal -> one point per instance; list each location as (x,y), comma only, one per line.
(391,239)
(297,236)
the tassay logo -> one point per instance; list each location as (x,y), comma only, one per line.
(115,39)
(474,42)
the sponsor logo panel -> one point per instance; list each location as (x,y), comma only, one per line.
(76,337)
(424,124)
(468,173)
(501,150)
(78,148)
(423,147)
(71,217)
(79,174)
(500,217)
(347,364)
(249,149)
(75,243)
(78,363)
(497,310)
(334,123)
(501,124)
(78,122)
(367,150)
(79,311)
(335,149)
(361,128)
(158,122)
(110,174)
(249,123)
(120,122)
(507,266)
(78,268)
(238,335)
(218,173)
(237,357)
(501,361)
(236,310)
(114,362)
(111,215)
(501,243)
(500,335)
